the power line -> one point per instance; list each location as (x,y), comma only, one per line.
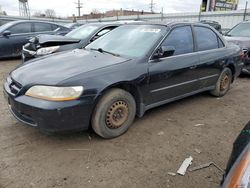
(79,6)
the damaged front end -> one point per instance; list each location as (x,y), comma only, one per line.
(44,45)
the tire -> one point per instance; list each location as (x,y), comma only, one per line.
(223,84)
(114,113)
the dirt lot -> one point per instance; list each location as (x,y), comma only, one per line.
(140,158)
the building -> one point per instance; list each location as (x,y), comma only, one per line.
(112,13)
(122,12)
(219,5)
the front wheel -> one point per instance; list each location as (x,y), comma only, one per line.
(114,113)
(223,84)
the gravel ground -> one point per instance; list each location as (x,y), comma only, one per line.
(155,145)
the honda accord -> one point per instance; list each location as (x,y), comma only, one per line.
(130,70)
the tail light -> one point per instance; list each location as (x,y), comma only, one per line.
(244,54)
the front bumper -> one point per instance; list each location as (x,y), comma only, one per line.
(50,116)
(27,55)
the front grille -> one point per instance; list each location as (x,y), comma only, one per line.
(14,86)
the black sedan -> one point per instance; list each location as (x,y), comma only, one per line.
(130,70)
(240,35)
(79,38)
(14,35)
(238,168)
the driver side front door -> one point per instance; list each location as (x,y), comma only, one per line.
(174,76)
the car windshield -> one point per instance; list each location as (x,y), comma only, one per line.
(130,40)
(82,32)
(241,30)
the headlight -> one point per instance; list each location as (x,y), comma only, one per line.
(55,93)
(48,50)
(239,175)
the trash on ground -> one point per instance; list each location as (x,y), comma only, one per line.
(200,124)
(197,151)
(160,133)
(171,173)
(206,165)
(78,149)
(183,168)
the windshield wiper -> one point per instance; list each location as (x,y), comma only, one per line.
(104,51)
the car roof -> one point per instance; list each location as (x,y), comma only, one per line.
(104,24)
(170,24)
(33,21)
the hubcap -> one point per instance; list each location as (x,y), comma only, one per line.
(224,84)
(117,114)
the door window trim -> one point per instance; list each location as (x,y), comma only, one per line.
(218,38)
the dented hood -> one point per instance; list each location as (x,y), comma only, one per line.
(53,39)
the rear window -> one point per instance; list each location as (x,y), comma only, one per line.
(42,27)
(206,39)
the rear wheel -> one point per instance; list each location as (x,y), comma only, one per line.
(223,84)
(114,113)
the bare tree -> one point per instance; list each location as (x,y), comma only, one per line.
(50,13)
(95,11)
(2,12)
(38,14)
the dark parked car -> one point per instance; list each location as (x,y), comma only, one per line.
(14,35)
(214,24)
(238,169)
(130,70)
(240,35)
(46,44)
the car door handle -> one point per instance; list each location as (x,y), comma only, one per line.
(193,67)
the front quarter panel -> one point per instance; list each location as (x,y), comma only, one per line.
(132,72)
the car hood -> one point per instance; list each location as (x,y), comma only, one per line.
(56,68)
(243,42)
(53,40)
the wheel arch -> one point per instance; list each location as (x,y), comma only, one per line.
(132,89)
(233,70)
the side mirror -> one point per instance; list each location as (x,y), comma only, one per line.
(6,33)
(164,51)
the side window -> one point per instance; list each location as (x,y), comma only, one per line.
(206,39)
(42,27)
(181,39)
(21,28)
(105,31)
(54,27)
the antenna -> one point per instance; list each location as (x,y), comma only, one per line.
(79,6)
(24,9)
(151,6)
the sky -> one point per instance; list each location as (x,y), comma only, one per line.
(66,8)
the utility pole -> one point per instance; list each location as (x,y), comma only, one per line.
(79,6)
(245,12)
(151,6)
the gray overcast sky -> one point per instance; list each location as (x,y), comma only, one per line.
(67,7)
